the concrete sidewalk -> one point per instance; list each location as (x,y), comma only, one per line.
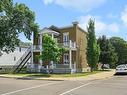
(101,75)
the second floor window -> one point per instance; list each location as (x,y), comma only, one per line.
(66,38)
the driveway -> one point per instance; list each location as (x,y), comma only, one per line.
(116,85)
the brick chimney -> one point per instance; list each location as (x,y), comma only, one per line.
(75,23)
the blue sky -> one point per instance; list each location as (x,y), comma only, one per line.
(110,15)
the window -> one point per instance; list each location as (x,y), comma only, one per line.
(66,38)
(66,58)
(14,58)
(56,40)
(20,49)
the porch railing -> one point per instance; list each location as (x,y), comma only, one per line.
(73,66)
(36,47)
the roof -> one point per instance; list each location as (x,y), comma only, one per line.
(72,27)
(49,31)
(82,29)
(56,30)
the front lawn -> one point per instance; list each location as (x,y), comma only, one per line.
(54,75)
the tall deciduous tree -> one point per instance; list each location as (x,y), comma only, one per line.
(107,54)
(51,50)
(93,49)
(15,19)
(121,49)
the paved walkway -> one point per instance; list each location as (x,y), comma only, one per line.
(101,75)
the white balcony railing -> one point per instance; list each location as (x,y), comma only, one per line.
(36,47)
(70,44)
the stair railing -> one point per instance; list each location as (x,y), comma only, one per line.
(23,56)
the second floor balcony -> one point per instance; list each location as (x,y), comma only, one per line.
(68,44)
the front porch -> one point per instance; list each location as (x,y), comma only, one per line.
(67,63)
(55,68)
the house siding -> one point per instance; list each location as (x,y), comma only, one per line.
(72,36)
(76,34)
(72,33)
(81,41)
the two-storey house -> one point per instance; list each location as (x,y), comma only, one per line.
(73,38)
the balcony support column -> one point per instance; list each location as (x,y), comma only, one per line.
(70,43)
(41,47)
(70,59)
(52,36)
(40,42)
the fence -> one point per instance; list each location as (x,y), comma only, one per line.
(6,69)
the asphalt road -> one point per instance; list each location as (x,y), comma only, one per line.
(116,85)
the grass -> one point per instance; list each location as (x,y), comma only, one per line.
(54,75)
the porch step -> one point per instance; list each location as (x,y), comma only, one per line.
(62,70)
(62,66)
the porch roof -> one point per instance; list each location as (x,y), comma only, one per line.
(48,31)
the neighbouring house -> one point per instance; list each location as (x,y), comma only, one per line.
(12,57)
(8,62)
(71,37)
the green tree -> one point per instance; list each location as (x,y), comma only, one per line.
(15,19)
(93,49)
(107,54)
(51,50)
(120,48)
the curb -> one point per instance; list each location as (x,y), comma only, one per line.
(33,78)
(89,77)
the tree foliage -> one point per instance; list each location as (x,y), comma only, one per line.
(51,50)
(93,49)
(107,54)
(121,49)
(14,19)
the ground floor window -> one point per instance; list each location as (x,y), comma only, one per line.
(66,58)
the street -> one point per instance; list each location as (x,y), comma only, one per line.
(116,85)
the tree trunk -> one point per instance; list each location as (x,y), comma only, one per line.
(91,69)
(102,66)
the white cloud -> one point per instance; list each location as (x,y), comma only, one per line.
(80,5)
(112,16)
(114,27)
(100,26)
(48,1)
(124,16)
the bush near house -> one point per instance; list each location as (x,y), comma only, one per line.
(51,50)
